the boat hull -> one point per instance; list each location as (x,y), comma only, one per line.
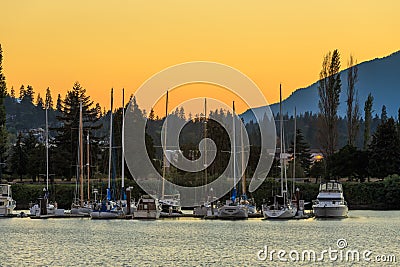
(228,212)
(105,215)
(279,214)
(144,214)
(331,212)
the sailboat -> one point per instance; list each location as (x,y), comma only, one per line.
(43,206)
(206,207)
(79,206)
(171,203)
(244,200)
(109,208)
(127,204)
(282,207)
(233,209)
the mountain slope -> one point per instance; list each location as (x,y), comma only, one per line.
(380,77)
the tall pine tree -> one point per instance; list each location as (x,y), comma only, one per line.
(329,88)
(67,137)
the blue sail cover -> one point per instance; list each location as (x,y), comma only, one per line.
(233,197)
(108,194)
(123,194)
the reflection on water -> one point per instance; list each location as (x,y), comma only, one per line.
(188,242)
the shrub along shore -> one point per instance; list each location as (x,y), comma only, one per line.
(378,195)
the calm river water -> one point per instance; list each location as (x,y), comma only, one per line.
(196,242)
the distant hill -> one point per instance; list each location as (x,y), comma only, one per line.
(380,77)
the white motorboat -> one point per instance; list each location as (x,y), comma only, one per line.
(7,203)
(330,201)
(147,208)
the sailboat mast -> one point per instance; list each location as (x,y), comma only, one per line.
(294,152)
(47,151)
(88,165)
(243,165)
(205,144)
(110,148)
(123,143)
(234,145)
(81,152)
(164,150)
(281,135)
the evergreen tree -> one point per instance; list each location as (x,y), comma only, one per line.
(67,138)
(329,88)
(384,114)
(182,114)
(3,130)
(98,110)
(367,120)
(19,159)
(12,92)
(151,114)
(21,92)
(39,101)
(35,155)
(353,111)
(384,150)
(49,99)
(28,95)
(59,103)
(303,155)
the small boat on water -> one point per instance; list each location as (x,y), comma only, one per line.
(233,211)
(330,201)
(7,203)
(147,208)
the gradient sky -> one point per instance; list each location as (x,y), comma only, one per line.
(104,44)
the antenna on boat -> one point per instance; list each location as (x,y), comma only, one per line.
(110,148)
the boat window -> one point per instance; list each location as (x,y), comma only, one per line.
(340,187)
(335,186)
(323,187)
(329,186)
(1,203)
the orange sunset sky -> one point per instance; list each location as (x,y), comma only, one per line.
(120,44)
